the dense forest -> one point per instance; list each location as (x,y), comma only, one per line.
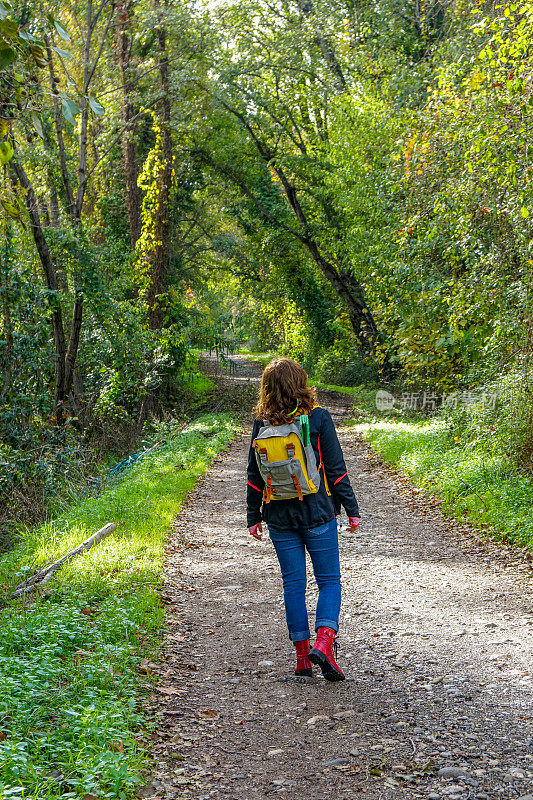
(348,183)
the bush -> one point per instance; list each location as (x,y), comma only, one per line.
(71,719)
(475,457)
(345,369)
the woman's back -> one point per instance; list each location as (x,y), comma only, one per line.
(298,520)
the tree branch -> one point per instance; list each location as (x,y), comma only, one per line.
(46,573)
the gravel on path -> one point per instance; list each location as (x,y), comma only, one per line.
(436,641)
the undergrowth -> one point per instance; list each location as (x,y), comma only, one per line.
(261,358)
(71,718)
(42,467)
(466,466)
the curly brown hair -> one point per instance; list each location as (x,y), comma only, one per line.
(284,390)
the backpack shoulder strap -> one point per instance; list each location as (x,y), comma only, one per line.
(321,466)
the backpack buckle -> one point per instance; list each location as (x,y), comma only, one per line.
(268,490)
(297,487)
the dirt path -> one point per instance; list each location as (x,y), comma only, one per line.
(239,379)
(436,641)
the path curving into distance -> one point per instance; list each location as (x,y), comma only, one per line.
(436,641)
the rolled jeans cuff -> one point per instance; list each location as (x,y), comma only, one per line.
(300,636)
(327,623)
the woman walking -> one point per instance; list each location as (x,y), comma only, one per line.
(297,482)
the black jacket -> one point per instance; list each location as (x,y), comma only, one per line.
(314,509)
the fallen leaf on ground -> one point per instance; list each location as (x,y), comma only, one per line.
(146,666)
(83,654)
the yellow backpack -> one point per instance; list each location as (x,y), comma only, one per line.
(287,461)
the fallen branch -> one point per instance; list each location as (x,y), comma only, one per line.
(46,573)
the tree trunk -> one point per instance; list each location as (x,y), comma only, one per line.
(129,146)
(66,355)
(67,185)
(54,208)
(46,573)
(326,48)
(74,341)
(82,154)
(350,291)
(158,257)
(89,67)
(8,325)
(50,276)
(343,280)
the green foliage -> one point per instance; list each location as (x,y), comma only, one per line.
(71,720)
(467,458)
(342,363)
(373,170)
(466,226)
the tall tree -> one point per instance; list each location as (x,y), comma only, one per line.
(157,217)
(97,24)
(277,80)
(124,36)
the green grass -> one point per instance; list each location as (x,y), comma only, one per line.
(353,391)
(198,384)
(261,358)
(474,480)
(71,718)
(460,461)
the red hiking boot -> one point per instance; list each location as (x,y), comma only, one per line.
(322,654)
(304,668)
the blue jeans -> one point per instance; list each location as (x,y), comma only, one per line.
(322,544)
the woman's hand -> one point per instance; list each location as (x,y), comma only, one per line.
(353,523)
(256,530)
